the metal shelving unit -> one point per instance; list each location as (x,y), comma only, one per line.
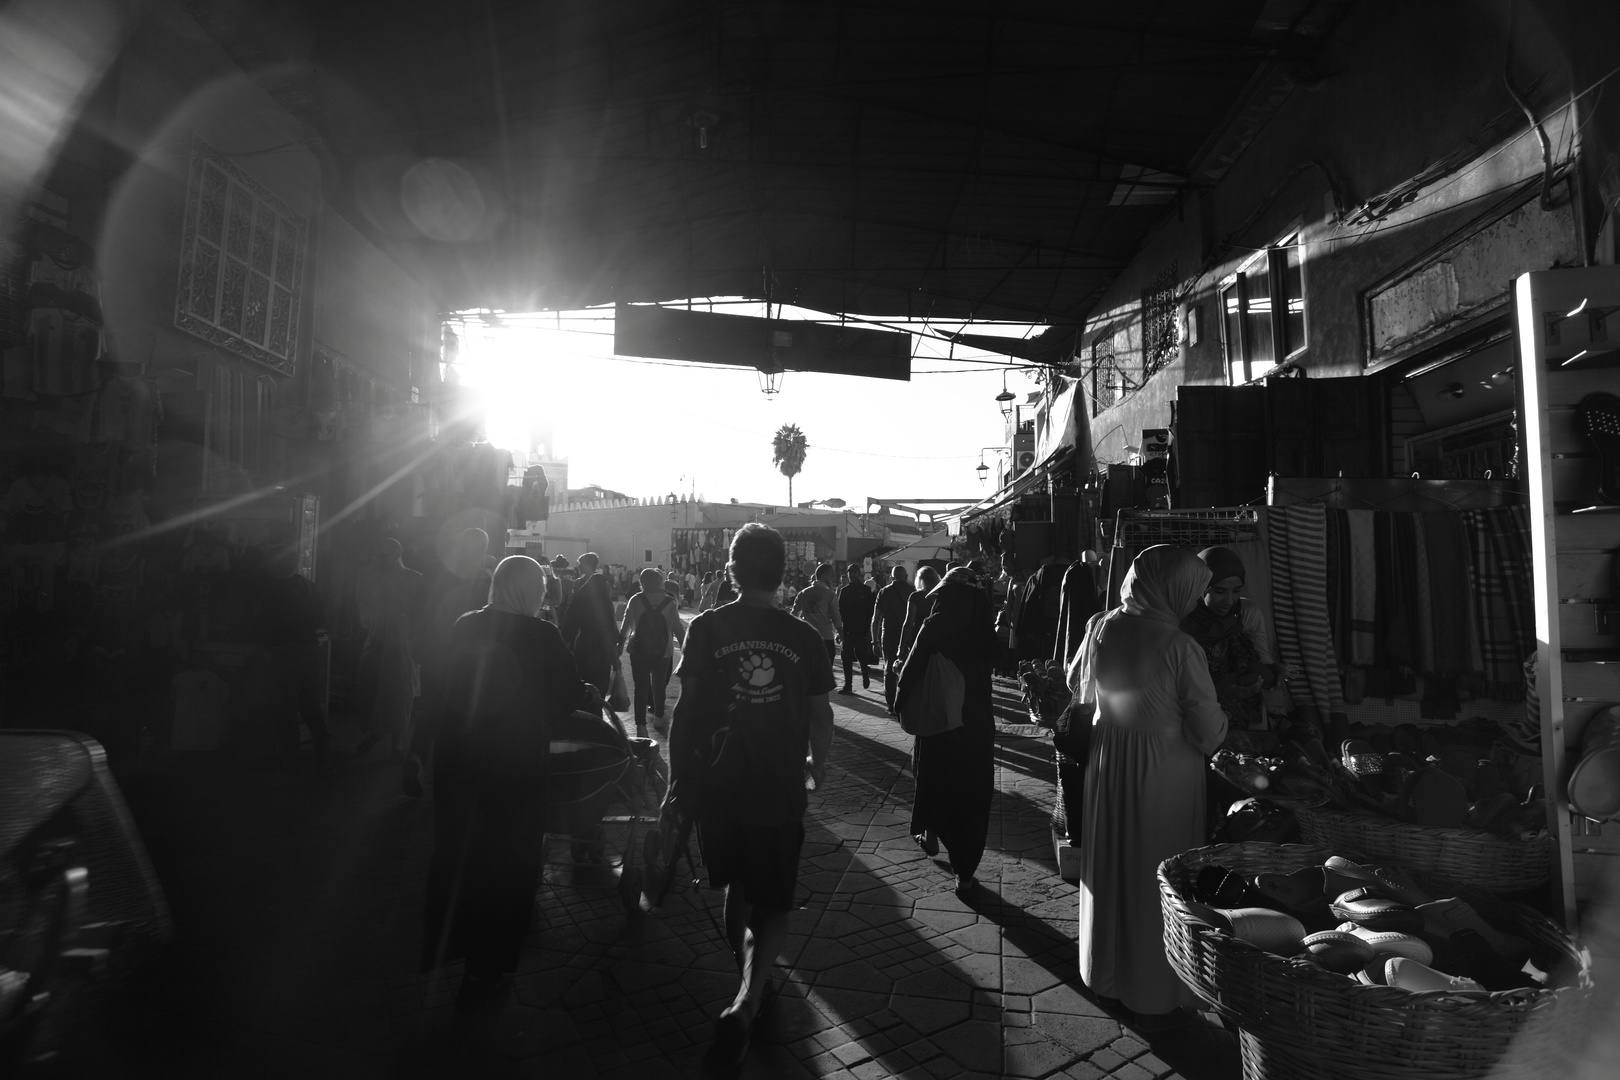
(1569,346)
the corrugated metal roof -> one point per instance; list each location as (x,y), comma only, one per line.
(894,157)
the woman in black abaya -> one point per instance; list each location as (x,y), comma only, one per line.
(955,770)
(507,678)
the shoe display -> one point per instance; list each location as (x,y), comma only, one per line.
(1373,973)
(1353,875)
(1386,944)
(1335,950)
(1293,890)
(1373,908)
(1220,887)
(1446,919)
(1423,979)
(1263,928)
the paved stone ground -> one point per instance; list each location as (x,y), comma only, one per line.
(297,904)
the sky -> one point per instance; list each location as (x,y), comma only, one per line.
(650,427)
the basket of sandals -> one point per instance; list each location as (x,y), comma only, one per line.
(1457,814)
(1333,968)
(1485,860)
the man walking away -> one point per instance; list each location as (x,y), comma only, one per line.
(888,620)
(855,608)
(819,607)
(754,685)
(588,627)
(650,628)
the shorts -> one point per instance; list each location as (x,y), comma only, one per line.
(762,859)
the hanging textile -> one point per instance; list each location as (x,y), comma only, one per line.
(1297,538)
(1504,615)
(1451,602)
(1396,548)
(1341,582)
(1422,599)
(1364,595)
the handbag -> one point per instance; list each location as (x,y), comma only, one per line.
(935,706)
(618,693)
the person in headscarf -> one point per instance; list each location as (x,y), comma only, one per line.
(588,627)
(916,606)
(1155,720)
(955,770)
(507,678)
(1233,635)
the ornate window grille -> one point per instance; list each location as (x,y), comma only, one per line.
(1109,382)
(241,263)
(1160,339)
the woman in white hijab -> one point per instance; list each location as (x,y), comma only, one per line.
(506,679)
(1155,721)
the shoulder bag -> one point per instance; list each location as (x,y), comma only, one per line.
(935,706)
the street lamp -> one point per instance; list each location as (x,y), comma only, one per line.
(1004,401)
(984,470)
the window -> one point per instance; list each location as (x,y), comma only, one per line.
(241,264)
(1109,383)
(1263,311)
(1161,339)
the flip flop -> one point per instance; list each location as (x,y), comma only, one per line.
(1598,418)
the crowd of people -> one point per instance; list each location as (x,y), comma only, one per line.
(465,669)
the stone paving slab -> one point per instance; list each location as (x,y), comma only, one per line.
(297,903)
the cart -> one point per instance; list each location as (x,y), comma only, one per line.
(604,792)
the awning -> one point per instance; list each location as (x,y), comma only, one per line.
(1063,421)
(934,546)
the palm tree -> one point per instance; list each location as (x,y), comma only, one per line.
(787,453)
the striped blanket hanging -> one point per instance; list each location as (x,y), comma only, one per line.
(1504,604)
(1297,538)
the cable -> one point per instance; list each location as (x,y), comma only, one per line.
(1524,106)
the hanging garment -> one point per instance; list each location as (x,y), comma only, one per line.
(1297,537)
(1451,600)
(1422,599)
(1364,590)
(1340,582)
(1505,612)
(1395,548)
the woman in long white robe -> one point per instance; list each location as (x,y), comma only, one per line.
(1156,719)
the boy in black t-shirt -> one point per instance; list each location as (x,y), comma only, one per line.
(754,686)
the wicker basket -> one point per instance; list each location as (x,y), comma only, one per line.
(1303,1022)
(1481,859)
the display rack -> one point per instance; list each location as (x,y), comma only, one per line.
(1135,530)
(1566,326)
